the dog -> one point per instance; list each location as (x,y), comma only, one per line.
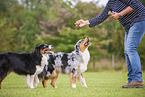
(32,81)
(22,64)
(74,63)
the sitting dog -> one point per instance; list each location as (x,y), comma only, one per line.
(74,63)
(22,64)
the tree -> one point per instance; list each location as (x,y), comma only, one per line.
(27,23)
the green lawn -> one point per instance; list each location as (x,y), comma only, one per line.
(102,84)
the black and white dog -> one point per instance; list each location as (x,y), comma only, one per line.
(22,64)
(74,63)
(30,79)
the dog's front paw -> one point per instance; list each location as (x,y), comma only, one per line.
(32,87)
(55,87)
(73,85)
(35,86)
(85,86)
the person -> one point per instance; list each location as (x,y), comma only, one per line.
(131,14)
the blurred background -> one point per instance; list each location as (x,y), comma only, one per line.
(25,24)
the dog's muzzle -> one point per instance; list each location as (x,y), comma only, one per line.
(48,50)
(87,43)
(50,46)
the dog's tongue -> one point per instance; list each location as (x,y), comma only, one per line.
(49,52)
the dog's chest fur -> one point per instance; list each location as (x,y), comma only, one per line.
(85,60)
(44,61)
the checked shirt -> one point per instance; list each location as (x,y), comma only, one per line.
(117,6)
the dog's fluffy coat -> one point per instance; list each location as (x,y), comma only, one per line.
(22,64)
(74,63)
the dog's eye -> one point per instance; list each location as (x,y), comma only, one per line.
(82,40)
(45,46)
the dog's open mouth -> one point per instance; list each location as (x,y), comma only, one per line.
(48,50)
(87,42)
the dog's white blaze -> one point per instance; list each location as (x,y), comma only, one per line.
(44,61)
(85,60)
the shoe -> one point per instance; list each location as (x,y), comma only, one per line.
(134,84)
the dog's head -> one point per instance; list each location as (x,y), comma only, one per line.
(42,48)
(82,44)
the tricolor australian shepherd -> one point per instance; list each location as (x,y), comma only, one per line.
(32,81)
(22,64)
(74,63)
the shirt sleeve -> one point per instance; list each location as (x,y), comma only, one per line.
(102,17)
(132,3)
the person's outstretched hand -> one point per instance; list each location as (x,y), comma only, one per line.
(81,23)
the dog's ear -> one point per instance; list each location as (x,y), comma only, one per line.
(77,44)
(36,49)
(76,47)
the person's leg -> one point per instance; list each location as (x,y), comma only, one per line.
(132,41)
(135,35)
(127,59)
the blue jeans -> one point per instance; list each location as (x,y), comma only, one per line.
(132,40)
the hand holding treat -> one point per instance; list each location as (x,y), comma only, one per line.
(81,23)
(77,23)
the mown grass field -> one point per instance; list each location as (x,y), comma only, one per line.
(102,84)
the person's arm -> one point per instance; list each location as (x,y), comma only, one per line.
(132,6)
(96,20)
(126,11)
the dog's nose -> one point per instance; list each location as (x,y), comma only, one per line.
(50,46)
(88,38)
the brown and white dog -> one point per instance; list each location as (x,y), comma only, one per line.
(74,63)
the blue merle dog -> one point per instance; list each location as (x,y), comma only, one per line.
(74,63)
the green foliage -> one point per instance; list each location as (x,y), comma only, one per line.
(28,23)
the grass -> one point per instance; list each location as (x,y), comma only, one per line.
(102,84)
